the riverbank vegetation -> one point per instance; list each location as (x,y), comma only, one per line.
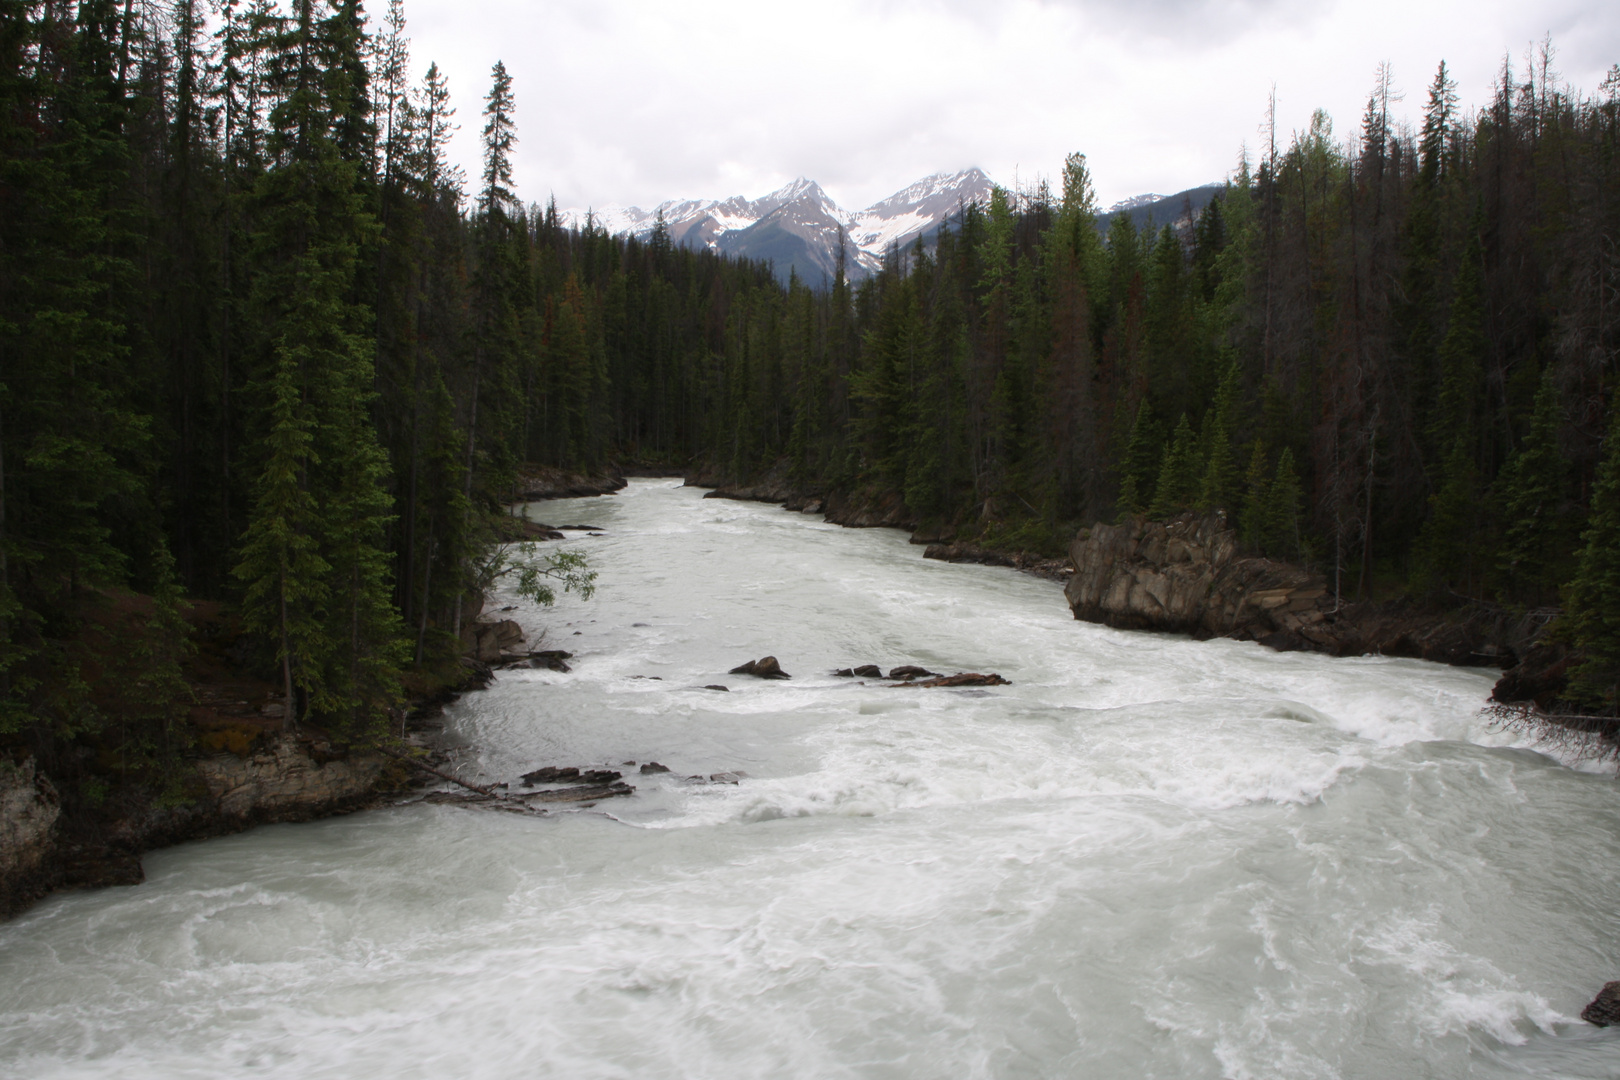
(263,344)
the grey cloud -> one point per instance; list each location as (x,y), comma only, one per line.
(1207,22)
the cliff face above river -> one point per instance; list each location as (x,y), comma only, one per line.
(1187,575)
(270,777)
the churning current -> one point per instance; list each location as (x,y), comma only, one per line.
(1147,857)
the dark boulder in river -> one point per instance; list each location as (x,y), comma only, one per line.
(765,667)
(911,671)
(1605,1008)
(553,774)
(966,678)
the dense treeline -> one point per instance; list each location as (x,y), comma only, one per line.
(260,342)
(1391,356)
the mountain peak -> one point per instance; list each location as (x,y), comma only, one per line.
(971,183)
(797,226)
(795,190)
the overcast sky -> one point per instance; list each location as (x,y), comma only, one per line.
(632,102)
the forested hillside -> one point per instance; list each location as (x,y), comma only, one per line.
(260,343)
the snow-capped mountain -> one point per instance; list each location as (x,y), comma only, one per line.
(916,209)
(1135,201)
(1152,212)
(797,227)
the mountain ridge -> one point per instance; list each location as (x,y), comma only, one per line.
(798,226)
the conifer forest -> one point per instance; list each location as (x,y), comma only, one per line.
(262,345)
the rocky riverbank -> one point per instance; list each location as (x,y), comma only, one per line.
(267,777)
(861,509)
(1187,575)
(538,482)
(241,769)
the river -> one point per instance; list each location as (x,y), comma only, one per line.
(1147,857)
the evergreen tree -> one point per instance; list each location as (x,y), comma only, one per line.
(1446,546)
(1593,597)
(1219,486)
(1254,521)
(1142,456)
(1537,549)
(1281,536)
(283,574)
(323,500)
(1179,473)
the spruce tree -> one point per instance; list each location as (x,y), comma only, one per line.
(281,569)
(1179,473)
(1446,546)
(1218,487)
(1593,597)
(1252,525)
(1538,545)
(1140,464)
(314,563)
(1282,509)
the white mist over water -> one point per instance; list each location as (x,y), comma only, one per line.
(1148,857)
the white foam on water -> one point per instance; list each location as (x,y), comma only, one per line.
(1147,857)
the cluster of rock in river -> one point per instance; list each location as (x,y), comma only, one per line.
(1188,575)
(905,675)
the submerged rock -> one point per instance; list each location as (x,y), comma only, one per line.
(911,671)
(966,678)
(765,667)
(580,794)
(653,767)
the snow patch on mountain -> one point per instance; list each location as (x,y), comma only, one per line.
(800,223)
(1126,205)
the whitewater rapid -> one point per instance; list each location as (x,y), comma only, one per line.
(1147,857)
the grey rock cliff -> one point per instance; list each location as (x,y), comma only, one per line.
(28,812)
(284,778)
(1186,575)
(279,777)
